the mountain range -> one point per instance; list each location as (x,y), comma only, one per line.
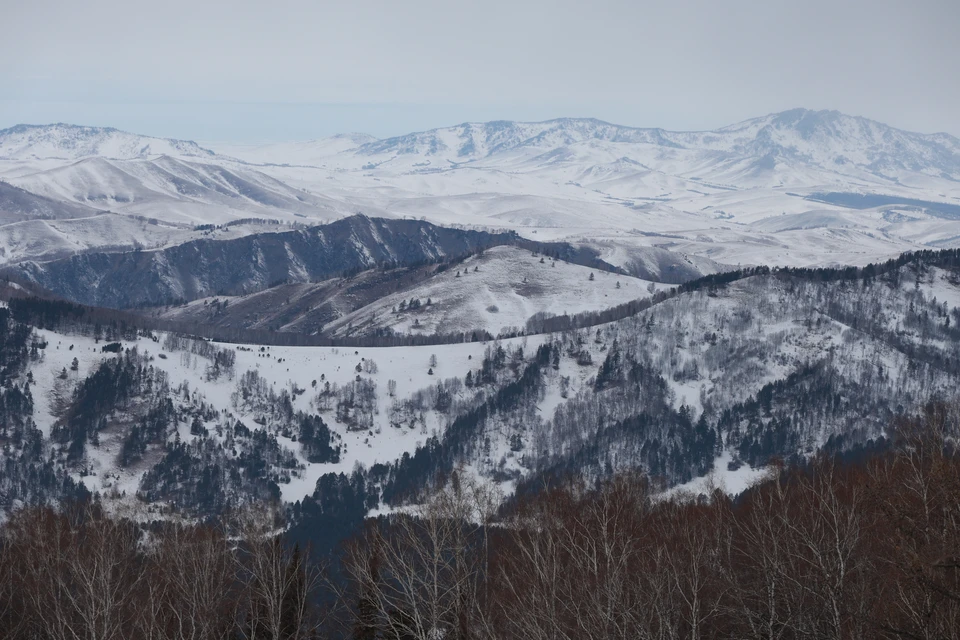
(507,300)
(818,139)
(749,193)
(71,142)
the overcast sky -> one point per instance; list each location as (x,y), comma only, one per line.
(257,70)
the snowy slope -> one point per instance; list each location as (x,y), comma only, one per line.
(495,292)
(17,205)
(178,191)
(281,367)
(52,239)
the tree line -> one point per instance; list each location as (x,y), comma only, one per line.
(828,549)
(832,548)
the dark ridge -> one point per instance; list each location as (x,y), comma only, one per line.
(203,268)
(30,304)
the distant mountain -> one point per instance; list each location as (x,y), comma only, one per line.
(472,141)
(178,190)
(73,142)
(828,138)
(820,138)
(749,193)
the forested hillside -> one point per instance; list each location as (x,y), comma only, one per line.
(728,371)
(709,385)
(828,549)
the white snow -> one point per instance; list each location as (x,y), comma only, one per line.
(734,196)
(730,481)
(496,291)
(280,366)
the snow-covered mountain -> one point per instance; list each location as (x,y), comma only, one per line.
(159,191)
(71,142)
(250,263)
(177,190)
(712,194)
(496,292)
(749,193)
(825,140)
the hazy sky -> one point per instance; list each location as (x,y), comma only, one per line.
(258,70)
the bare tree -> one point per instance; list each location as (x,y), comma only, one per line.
(194,570)
(571,569)
(757,564)
(278,581)
(826,531)
(81,578)
(916,494)
(420,573)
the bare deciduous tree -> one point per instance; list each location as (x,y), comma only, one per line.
(278,581)
(420,573)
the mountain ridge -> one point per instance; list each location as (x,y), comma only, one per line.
(805,120)
(251,263)
(702,195)
(80,141)
(758,136)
